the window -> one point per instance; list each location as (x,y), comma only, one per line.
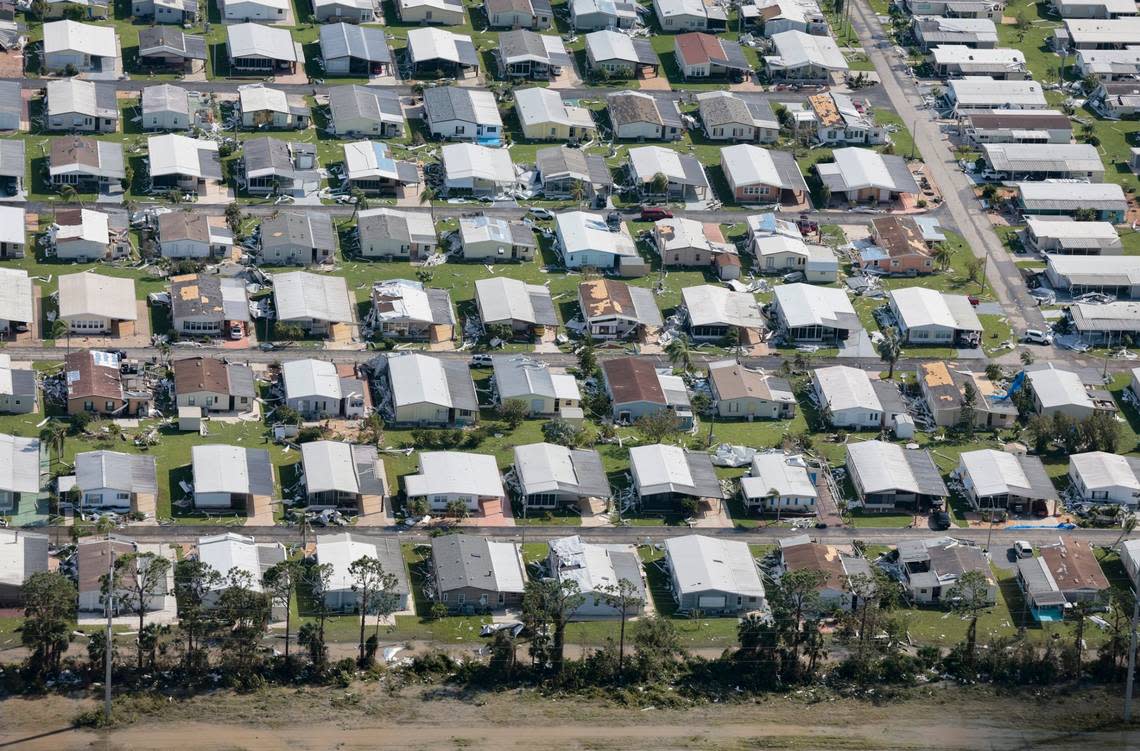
(460,598)
(443,597)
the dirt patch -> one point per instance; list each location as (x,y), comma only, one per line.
(367,716)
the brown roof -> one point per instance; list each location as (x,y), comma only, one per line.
(85,378)
(603,297)
(77,150)
(737,382)
(627,107)
(201,374)
(899,236)
(633,379)
(825,110)
(1074,566)
(502,6)
(1020,119)
(69,217)
(697,48)
(94,561)
(183,225)
(813,556)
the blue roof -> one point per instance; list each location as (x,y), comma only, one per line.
(384,161)
(873,253)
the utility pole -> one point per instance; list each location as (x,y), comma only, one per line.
(1131,658)
(108,643)
(913,138)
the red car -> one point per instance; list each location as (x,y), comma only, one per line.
(655,213)
(973,300)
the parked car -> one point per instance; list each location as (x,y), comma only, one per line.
(480,361)
(654,213)
(1023,549)
(541,214)
(973,300)
(237,331)
(940,520)
(1036,336)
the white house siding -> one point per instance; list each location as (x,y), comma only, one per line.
(212,500)
(282,254)
(166,121)
(81,250)
(748,407)
(246,11)
(185,249)
(89,325)
(424,15)
(422,414)
(105,498)
(634,131)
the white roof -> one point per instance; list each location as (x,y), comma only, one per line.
(953,54)
(21,555)
(456,472)
(582,231)
(463,161)
(774,245)
(777,471)
(94,226)
(1103,31)
(844,387)
(305,378)
(502,298)
(1058,388)
(611,45)
(255,97)
(16,297)
(658,466)
(795,49)
(329,465)
(522,376)
(91,294)
(808,305)
(864,168)
(207,462)
(430,43)
(341,550)
(701,564)
(259,40)
(369,159)
(300,295)
(986,90)
(96,41)
(545,467)
(994,472)
(746,164)
(1063,228)
(19,464)
(172,154)
(881,467)
(920,307)
(1099,469)
(648,161)
(588,564)
(75,95)
(1063,191)
(408,300)
(13,225)
(539,105)
(1115,7)
(710,304)
(232,552)
(418,379)
(681,232)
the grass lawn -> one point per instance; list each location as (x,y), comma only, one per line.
(1033,40)
(9,631)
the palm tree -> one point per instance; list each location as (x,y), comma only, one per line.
(578,192)
(659,184)
(890,348)
(774,500)
(1126,529)
(942,256)
(69,194)
(55,435)
(679,354)
(359,201)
